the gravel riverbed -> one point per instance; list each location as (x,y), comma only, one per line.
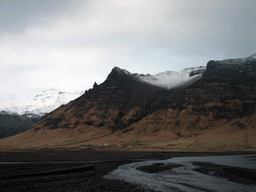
(91,180)
(57,170)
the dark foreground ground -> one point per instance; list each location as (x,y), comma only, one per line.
(73,170)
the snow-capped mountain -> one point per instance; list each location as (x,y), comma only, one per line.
(238,60)
(246,65)
(42,103)
(186,77)
(51,99)
(163,109)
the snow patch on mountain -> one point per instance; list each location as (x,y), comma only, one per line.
(173,79)
(238,60)
(42,103)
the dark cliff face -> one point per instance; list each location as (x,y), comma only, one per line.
(242,73)
(247,66)
(226,91)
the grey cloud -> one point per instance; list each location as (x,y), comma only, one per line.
(18,15)
(80,37)
(177,26)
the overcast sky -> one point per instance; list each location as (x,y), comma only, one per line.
(70,44)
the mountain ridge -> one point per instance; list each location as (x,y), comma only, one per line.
(214,113)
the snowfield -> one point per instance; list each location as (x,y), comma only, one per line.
(174,79)
(169,79)
(41,104)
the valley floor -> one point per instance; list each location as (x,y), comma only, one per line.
(59,170)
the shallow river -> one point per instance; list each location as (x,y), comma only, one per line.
(185,177)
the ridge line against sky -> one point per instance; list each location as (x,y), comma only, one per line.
(72,44)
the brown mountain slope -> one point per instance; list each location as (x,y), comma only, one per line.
(217,113)
(115,104)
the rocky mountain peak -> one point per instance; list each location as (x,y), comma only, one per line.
(245,67)
(117,73)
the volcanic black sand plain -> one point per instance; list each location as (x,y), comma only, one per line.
(59,170)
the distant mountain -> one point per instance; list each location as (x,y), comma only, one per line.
(208,108)
(12,124)
(16,118)
(42,103)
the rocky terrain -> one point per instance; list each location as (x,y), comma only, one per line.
(214,111)
(68,170)
(48,170)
